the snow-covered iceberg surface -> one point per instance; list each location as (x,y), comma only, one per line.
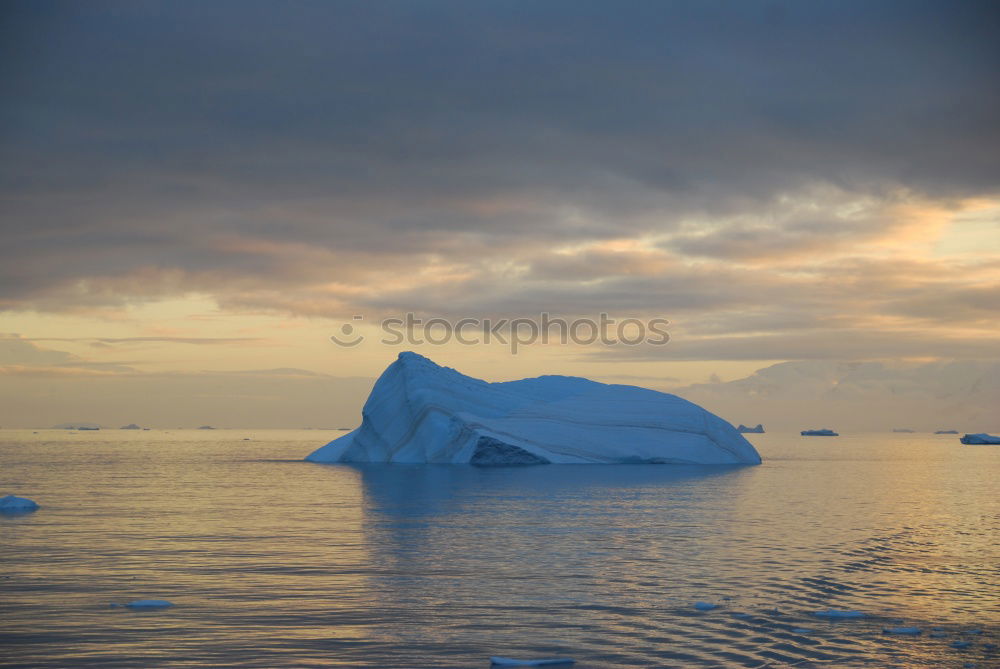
(980,439)
(14,504)
(420,412)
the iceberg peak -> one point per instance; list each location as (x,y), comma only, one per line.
(422,412)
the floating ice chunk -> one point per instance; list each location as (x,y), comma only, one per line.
(420,412)
(961,644)
(838,615)
(511,662)
(705,606)
(901,630)
(979,439)
(801,630)
(149,604)
(15,504)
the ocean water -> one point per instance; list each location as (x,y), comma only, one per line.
(274,562)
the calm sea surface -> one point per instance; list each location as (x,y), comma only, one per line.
(274,562)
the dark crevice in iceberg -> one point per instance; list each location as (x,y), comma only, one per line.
(492,452)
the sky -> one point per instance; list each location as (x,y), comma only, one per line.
(195,196)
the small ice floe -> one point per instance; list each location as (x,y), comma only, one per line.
(149,604)
(801,630)
(741,615)
(511,662)
(836,614)
(961,644)
(705,606)
(901,630)
(979,439)
(15,504)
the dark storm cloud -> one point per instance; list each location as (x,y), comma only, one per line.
(253,150)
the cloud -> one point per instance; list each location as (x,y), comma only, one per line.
(19,356)
(111,341)
(860,395)
(714,165)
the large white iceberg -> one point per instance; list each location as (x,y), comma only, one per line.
(420,412)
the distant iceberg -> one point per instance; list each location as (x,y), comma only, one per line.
(835,614)
(914,631)
(420,412)
(498,661)
(743,429)
(149,604)
(14,504)
(819,433)
(979,439)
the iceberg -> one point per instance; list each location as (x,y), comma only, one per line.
(420,412)
(15,504)
(835,614)
(743,429)
(819,433)
(498,661)
(979,439)
(149,604)
(901,630)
